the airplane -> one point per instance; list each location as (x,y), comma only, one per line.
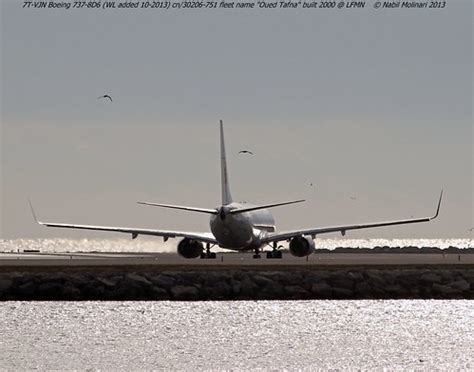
(238,226)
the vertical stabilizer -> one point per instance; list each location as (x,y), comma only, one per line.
(226,197)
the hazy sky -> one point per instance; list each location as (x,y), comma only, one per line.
(370,104)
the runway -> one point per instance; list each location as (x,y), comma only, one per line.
(171,261)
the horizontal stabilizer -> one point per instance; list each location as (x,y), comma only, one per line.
(249,209)
(192,209)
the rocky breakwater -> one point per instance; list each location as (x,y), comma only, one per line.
(407,283)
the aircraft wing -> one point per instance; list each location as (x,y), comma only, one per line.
(276,237)
(202,237)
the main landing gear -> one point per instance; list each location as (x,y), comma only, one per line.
(208,253)
(275,253)
(257,253)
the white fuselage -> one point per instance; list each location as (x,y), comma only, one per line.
(241,231)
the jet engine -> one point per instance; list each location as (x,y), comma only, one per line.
(189,248)
(301,246)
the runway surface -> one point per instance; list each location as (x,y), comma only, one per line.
(231,260)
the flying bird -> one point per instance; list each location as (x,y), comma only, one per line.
(105,96)
(353,198)
(245,152)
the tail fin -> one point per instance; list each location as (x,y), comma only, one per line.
(226,197)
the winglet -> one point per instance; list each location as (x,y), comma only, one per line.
(33,212)
(439,205)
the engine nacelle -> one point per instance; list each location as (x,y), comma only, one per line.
(301,246)
(189,248)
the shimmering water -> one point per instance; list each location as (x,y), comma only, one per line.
(274,335)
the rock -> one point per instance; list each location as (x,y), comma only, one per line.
(80,280)
(396,291)
(443,289)
(356,276)
(49,290)
(430,277)
(375,278)
(5,285)
(248,287)
(271,292)
(211,278)
(18,278)
(291,278)
(220,291)
(184,293)
(107,282)
(310,278)
(342,293)
(406,278)
(363,290)
(446,276)
(295,292)
(469,276)
(56,277)
(239,275)
(71,293)
(133,286)
(379,293)
(320,274)
(120,292)
(415,292)
(341,282)
(460,285)
(159,294)
(188,278)
(26,290)
(236,286)
(240,284)
(137,279)
(274,275)
(262,281)
(321,290)
(163,281)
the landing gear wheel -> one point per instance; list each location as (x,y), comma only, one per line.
(257,253)
(274,254)
(210,255)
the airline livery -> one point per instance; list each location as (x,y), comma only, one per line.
(239,226)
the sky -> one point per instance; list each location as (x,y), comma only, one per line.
(373,107)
